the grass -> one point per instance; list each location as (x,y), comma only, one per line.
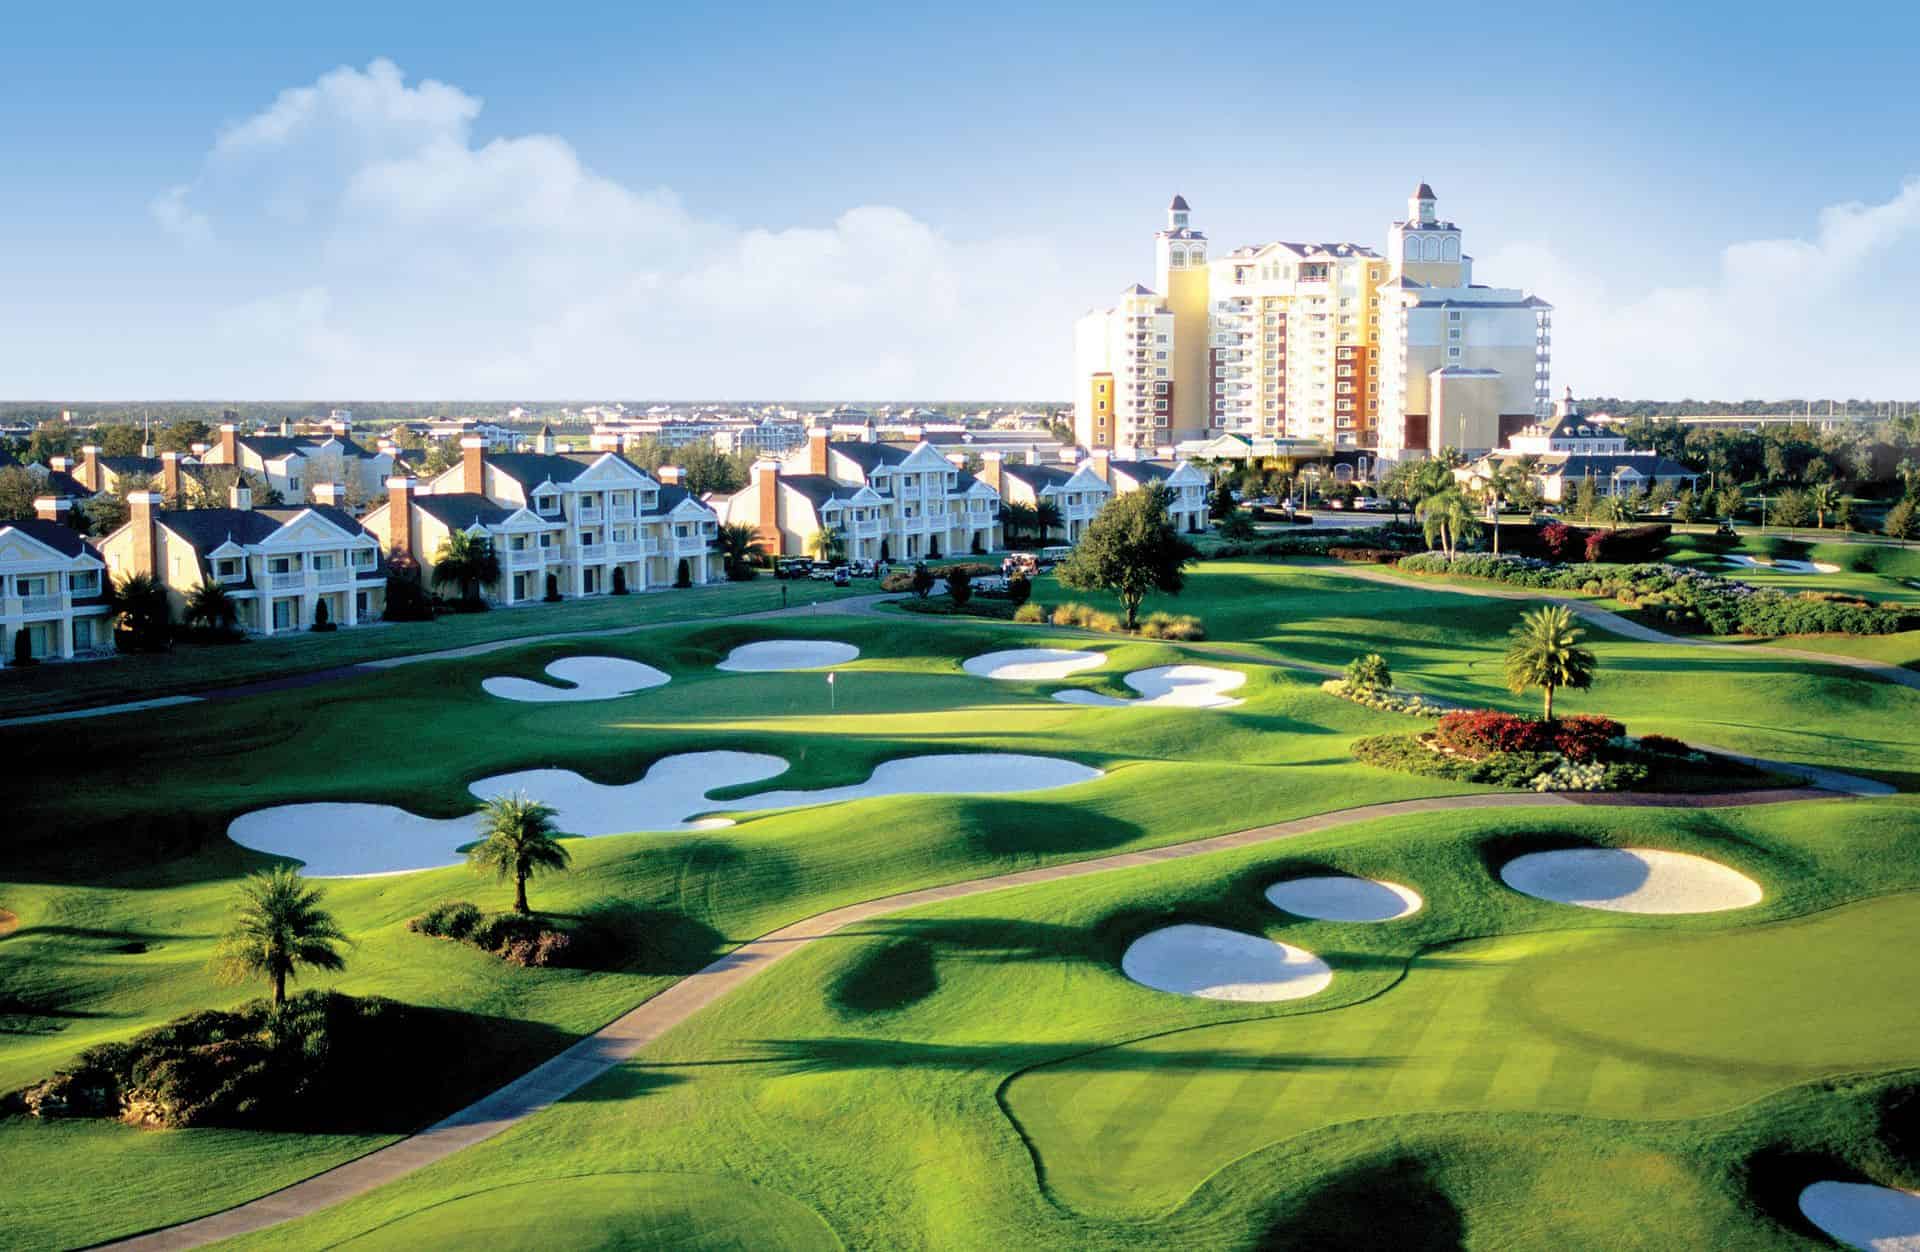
(862,1081)
(193,667)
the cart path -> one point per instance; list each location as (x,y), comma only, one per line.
(624,1037)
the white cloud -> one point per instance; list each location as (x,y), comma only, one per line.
(397,257)
(1829,315)
(169,208)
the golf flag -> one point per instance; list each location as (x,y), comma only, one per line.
(829,679)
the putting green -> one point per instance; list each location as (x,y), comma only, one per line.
(680,1211)
(1644,1026)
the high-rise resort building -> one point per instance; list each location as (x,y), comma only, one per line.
(1314,343)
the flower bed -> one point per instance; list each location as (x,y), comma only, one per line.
(1572,754)
(513,937)
(1384,699)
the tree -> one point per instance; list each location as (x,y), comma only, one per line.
(1544,651)
(18,488)
(518,839)
(138,603)
(278,928)
(1586,500)
(1901,523)
(407,601)
(1684,506)
(121,440)
(922,580)
(1791,509)
(1728,501)
(959,585)
(1369,673)
(210,606)
(468,561)
(1221,504)
(1503,479)
(1448,517)
(1017,517)
(1613,509)
(1019,588)
(738,544)
(1131,548)
(1824,498)
(105,512)
(180,436)
(1046,519)
(826,544)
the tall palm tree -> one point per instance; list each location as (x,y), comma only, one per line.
(738,544)
(278,928)
(1017,518)
(1046,518)
(827,544)
(1447,516)
(1825,499)
(468,561)
(139,606)
(518,840)
(1544,651)
(1613,509)
(1504,479)
(210,605)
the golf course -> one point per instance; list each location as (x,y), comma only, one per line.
(936,931)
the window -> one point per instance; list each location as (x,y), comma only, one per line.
(1453,315)
(1453,352)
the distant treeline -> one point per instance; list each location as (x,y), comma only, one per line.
(163,412)
(1745,408)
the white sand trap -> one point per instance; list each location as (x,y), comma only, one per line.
(782,654)
(1631,880)
(354,840)
(1217,964)
(1784,565)
(1030,664)
(1168,686)
(1337,898)
(1861,1215)
(593,678)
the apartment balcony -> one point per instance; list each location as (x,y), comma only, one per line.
(521,558)
(621,513)
(864,530)
(29,606)
(591,552)
(337,577)
(629,551)
(693,545)
(292,580)
(585,514)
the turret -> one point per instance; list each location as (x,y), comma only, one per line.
(1422,205)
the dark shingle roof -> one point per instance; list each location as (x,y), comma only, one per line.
(1424,192)
(530,469)
(273,447)
(817,488)
(1143,471)
(207,529)
(461,509)
(1651,464)
(339,517)
(870,456)
(65,486)
(1037,476)
(1180,203)
(59,536)
(132,466)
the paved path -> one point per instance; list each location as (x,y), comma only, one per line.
(623,1038)
(1613,622)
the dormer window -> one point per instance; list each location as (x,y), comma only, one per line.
(546,505)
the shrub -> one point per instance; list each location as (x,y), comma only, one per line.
(1369,673)
(1030,613)
(1019,588)
(683,574)
(547,947)
(1184,627)
(897,580)
(1476,733)
(1862,558)
(959,586)
(452,919)
(1364,556)
(1558,540)
(322,617)
(1384,700)
(1664,745)
(1235,526)
(1583,736)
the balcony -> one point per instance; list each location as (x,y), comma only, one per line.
(591,552)
(291,580)
(689,545)
(621,513)
(522,558)
(628,551)
(336,577)
(41,604)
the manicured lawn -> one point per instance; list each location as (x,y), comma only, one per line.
(861,1084)
(192,667)
(979,1074)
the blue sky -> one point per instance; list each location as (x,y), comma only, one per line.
(823,201)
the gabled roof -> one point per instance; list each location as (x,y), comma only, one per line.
(870,456)
(133,466)
(274,447)
(1179,205)
(673,497)
(206,529)
(460,510)
(817,488)
(1139,289)
(1424,192)
(338,517)
(65,486)
(530,469)
(1038,477)
(1605,465)
(59,536)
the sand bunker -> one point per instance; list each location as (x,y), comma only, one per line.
(783,654)
(593,678)
(1783,565)
(1631,880)
(353,840)
(1337,898)
(1168,686)
(1862,1215)
(1030,664)
(1217,964)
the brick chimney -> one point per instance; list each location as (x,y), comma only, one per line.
(766,486)
(51,508)
(990,470)
(1102,462)
(671,475)
(817,437)
(400,515)
(170,476)
(229,444)
(140,507)
(89,469)
(473,465)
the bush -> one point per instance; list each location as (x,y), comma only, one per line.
(1019,588)
(1364,556)
(1664,745)
(1235,526)
(322,617)
(1380,698)
(1583,736)
(959,586)
(897,580)
(1476,733)
(1084,616)
(1183,628)
(683,574)
(1030,613)
(453,919)
(1369,673)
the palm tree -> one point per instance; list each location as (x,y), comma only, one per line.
(278,928)
(827,544)
(518,840)
(1544,651)
(1504,478)
(1825,499)
(467,560)
(1448,516)
(1046,518)
(1017,518)
(209,605)
(138,603)
(738,543)
(1613,509)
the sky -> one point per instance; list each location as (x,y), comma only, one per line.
(818,202)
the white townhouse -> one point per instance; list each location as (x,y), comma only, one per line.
(52,588)
(1186,486)
(887,501)
(278,565)
(565,524)
(1078,492)
(294,465)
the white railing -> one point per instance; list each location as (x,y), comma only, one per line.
(287,581)
(40,604)
(621,513)
(524,558)
(689,545)
(592,551)
(628,551)
(338,577)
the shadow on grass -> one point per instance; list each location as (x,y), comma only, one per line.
(1385,1205)
(827,1054)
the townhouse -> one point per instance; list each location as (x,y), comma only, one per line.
(53,587)
(1186,486)
(1558,455)
(293,465)
(563,524)
(886,501)
(278,565)
(1076,491)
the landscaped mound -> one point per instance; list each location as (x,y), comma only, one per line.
(516,938)
(344,840)
(1337,898)
(1030,664)
(306,1066)
(1580,753)
(1631,880)
(1862,1215)
(784,654)
(593,678)
(1217,964)
(1168,686)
